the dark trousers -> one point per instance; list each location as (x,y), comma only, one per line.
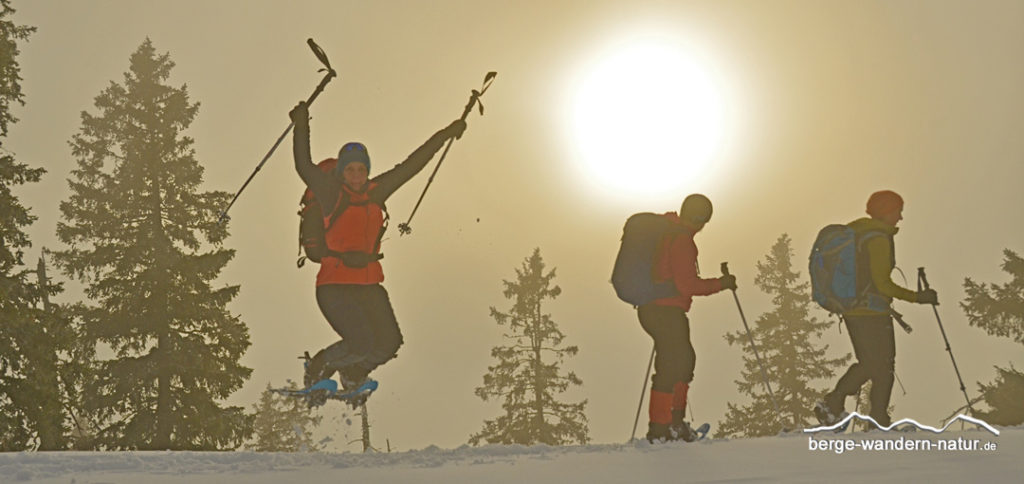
(874,344)
(363,317)
(674,358)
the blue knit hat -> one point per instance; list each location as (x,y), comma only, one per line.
(352,152)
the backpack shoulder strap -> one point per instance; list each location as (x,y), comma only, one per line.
(339,208)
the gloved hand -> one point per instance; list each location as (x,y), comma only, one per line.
(928,296)
(300,114)
(455,129)
(728,281)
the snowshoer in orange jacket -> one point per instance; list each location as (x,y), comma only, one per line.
(348,285)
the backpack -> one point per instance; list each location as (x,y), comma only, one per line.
(633,274)
(312,233)
(833,267)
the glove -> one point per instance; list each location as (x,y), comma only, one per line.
(300,114)
(928,296)
(728,282)
(455,129)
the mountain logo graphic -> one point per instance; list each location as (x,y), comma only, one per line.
(842,423)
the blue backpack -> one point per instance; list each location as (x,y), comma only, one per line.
(833,268)
(633,274)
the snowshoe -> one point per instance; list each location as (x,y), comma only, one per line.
(324,390)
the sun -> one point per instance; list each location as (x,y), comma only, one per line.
(647,117)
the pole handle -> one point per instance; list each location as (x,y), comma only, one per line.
(474,99)
(331,74)
(725,268)
(319,53)
(921,277)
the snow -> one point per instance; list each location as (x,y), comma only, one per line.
(784,458)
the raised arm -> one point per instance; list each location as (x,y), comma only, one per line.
(316,180)
(390,181)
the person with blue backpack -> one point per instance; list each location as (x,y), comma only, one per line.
(850,275)
(656,271)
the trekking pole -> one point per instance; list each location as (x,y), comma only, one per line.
(331,74)
(897,375)
(474,98)
(642,392)
(922,278)
(764,374)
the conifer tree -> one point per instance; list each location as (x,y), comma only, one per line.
(283,424)
(38,365)
(786,338)
(527,376)
(147,245)
(999,310)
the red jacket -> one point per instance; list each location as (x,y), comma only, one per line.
(356,229)
(677,261)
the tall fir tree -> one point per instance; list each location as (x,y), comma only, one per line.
(999,310)
(38,364)
(147,244)
(787,339)
(283,424)
(528,377)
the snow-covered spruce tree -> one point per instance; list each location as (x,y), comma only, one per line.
(786,339)
(999,310)
(283,424)
(528,376)
(38,367)
(146,243)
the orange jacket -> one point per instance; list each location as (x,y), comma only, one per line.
(677,261)
(356,229)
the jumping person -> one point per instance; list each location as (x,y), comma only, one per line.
(348,285)
(665,320)
(870,320)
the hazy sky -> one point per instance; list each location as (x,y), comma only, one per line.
(819,104)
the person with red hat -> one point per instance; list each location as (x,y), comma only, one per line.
(348,285)
(870,320)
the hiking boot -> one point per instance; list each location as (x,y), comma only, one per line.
(680,428)
(835,403)
(825,415)
(659,432)
(352,377)
(883,420)
(684,432)
(316,370)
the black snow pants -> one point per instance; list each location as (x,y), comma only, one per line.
(363,317)
(674,358)
(874,344)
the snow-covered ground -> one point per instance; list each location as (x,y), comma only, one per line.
(775,459)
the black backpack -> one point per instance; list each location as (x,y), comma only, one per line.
(633,275)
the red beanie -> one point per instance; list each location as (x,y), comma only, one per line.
(884,202)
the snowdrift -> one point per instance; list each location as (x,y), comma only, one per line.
(789,458)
